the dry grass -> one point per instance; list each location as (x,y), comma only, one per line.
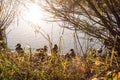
(15,66)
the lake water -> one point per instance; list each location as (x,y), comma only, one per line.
(28,36)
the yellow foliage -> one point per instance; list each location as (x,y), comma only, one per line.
(95,79)
(98,63)
(114,74)
(118,75)
(83,68)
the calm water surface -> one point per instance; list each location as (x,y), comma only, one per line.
(29,35)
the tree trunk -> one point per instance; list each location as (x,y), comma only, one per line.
(2,41)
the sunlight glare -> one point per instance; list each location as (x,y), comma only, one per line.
(33,14)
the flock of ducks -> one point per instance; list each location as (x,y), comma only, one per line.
(44,51)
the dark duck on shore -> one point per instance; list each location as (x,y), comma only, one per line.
(70,54)
(18,48)
(55,49)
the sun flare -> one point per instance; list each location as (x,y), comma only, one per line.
(33,14)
